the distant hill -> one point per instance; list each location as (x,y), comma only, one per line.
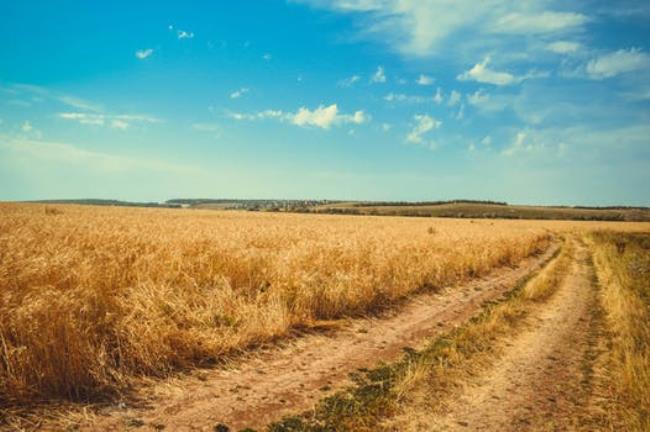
(475,209)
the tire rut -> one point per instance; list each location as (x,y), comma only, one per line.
(268,384)
(538,383)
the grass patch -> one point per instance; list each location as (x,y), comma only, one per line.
(623,269)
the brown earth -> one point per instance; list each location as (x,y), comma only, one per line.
(540,382)
(268,384)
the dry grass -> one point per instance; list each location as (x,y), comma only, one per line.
(623,265)
(402,396)
(91,297)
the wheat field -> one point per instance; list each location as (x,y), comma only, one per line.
(93,297)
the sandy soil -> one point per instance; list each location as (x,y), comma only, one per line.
(266,385)
(539,381)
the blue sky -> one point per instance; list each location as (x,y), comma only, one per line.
(533,101)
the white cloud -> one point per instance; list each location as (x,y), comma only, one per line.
(386,127)
(122,121)
(322,117)
(239,93)
(26,127)
(423,124)
(266,114)
(544,22)
(425,80)
(486,141)
(379,76)
(481,73)
(563,47)
(81,104)
(144,53)
(206,127)
(437,98)
(477,98)
(461,112)
(181,34)
(350,81)
(119,124)
(618,62)
(454,98)
(424,27)
(401,97)
(39,94)
(71,154)
(267,57)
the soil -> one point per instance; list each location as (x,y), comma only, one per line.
(265,385)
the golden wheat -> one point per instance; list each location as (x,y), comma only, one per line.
(93,296)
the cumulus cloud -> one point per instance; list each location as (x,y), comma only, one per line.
(483,74)
(144,53)
(379,76)
(239,93)
(563,47)
(425,80)
(322,117)
(618,62)
(423,124)
(480,72)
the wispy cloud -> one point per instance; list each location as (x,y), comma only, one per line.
(350,81)
(618,62)
(239,93)
(71,154)
(120,122)
(182,34)
(143,53)
(454,98)
(39,94)
(401,97)
(422,27)
(563,47)
(539,22)
(26,126)
(423,124)
(379,76)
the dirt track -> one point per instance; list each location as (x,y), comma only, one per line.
(538,383)
(267,385)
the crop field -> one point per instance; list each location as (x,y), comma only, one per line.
(92,298)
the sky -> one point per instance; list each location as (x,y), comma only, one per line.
(524,101)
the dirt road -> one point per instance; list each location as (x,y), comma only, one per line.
(539,381)
(267,385)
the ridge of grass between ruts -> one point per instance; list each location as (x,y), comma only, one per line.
(377,393)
